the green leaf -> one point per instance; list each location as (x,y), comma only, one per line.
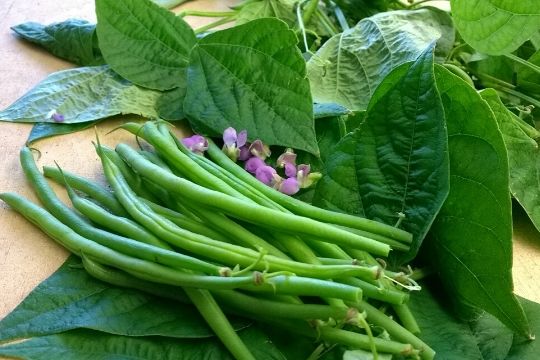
(144,43)
(45,130)
(523,348)
(170,105)
(523,157)
(81,95)
(527,78)
(71,299)
(470,246)
(281,9)
(496,27)
(266,92)
(93,345)
(348,68)
(396,161)
(450,338)
(74,40)
(493,338)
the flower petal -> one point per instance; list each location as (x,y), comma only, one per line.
(259,149)
(288,157)
(253,164)
(241,139)
(265,174)
(289,186)
(229,136)
(290,170)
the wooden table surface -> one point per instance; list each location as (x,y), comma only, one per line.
(27,256)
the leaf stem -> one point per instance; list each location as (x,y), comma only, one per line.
(214,24)
(206,13)
(310,10)
(523,62)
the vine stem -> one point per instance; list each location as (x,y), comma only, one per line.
(206,13)
(214,24)
(523,62)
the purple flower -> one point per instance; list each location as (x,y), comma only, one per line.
(290,170)
(266,174)
(259,149)
(288,157)
(196,143)
(305,177)
(253,163)
(233,143)
(55,116)
(289,186)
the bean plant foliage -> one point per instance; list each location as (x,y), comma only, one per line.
(417,117)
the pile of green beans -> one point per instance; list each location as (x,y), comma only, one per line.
(200,229)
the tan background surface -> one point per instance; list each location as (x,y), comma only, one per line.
(27,256)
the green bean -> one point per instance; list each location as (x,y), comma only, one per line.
(134,181)
(211,312)
(187,167)
(117,224)
(301,208)
(236,233)
(120,278)
(344,337)
(184,222)
(395,330)
(131,247)
(247,211)
(251,306)
(389,295)
(92,189)
(148,270)
(223,252)
(81,246)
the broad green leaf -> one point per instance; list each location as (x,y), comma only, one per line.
(144,43)
(281,9)
(523,348)
(74,40)
(523,157)
(252,77)
(396,161)
(470,244)
(450,338)
(93,345)
(528,79)
(81,95)
(496,27)
(71,299)
(499,67)
(348,68)
(45,130)
(494,339)
(170,105)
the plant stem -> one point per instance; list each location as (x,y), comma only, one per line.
(310,10)
(214,24)
(520,95)
(323,18)
(523,62)
(206,13)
